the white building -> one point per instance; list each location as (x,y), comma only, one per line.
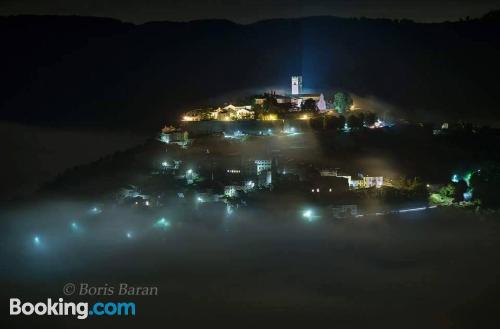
(263,165)
(373,181)
(328,172)
(227,113)
(365,182)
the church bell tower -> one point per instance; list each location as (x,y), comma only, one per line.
(296,85)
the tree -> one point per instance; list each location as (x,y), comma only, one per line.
(460,189)
(335,123)
(258,109)
(270,104)
(342,102)
(355,121)
(444,197)
(309,105)
(370,118)
(485,183)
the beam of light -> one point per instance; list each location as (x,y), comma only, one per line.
(36,240)
(164,164)
(129,235)
(412,209)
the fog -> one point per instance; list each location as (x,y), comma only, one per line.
(264,267)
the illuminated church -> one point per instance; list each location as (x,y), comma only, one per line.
(297,97)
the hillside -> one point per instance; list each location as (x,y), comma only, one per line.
(87,71)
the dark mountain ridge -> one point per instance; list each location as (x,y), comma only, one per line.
(100,72)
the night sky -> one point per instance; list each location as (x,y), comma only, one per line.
(242,11)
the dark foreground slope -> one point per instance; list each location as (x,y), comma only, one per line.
(94,71)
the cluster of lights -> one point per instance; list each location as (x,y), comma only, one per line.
(378,124)
(290,131)
(317,190)
(455,178)
(270,117)
(189,118)
(236,135)
(162,223)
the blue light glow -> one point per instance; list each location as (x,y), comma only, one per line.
(309,215)
(74,226)
(162,223)
(95,210)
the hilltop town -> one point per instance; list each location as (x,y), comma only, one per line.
(330,156)
(271,106)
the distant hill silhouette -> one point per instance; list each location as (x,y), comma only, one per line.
(492,16)
(87,71)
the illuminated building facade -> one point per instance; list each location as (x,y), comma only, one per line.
(297,85)
(227,113)
(172,135)
(263,165)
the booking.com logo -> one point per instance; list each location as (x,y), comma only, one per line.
(80,310)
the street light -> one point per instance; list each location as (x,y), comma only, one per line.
(308,214)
